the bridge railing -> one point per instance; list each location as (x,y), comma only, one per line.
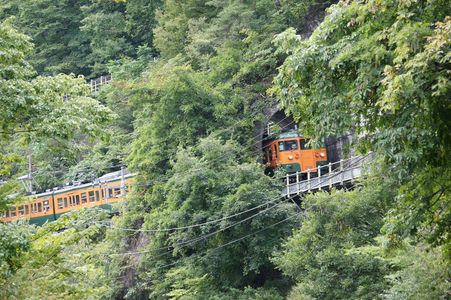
(325,177)
(97,83)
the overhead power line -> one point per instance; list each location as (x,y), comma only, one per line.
(226,244)
(195,225)
(184,244)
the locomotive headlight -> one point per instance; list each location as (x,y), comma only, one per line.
(322,154)
(290,157)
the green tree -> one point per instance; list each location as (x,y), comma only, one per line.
(14,242)
(37,111)
(321,255)
(81,37)
(422,273)
(60,47)
(63,259)
(380,69)
(209,182)
(105,26)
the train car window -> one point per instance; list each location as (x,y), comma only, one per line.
(21,210)
(27,209)
(97,196)
(288,145)
(275,150)
(77,199)
(46,206)
(110,193)
(60,203)
(83,198)
(117,192)
(33,208)
(13,211)
(7,213)
(103,194)
(65,202)
(91,196)
(39,207)
(304,145)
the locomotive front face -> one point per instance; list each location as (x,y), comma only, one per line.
(293,155)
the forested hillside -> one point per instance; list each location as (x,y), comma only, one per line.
(194,84)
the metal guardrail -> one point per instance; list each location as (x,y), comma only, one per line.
(97,83)
(325,177)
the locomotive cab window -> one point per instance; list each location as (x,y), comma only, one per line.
(304,145)
(288,145)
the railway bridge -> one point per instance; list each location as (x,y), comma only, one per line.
(338,174)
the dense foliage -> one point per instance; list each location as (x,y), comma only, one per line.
(323,254)
(64,260)
(80,37)
(381,69)
(210,182)
(194,84)
(38,112)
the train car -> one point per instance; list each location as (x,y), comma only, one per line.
(48,206)
(290,151)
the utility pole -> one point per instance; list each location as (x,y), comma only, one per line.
(123,187)
(30,174)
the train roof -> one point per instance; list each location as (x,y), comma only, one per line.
(284,135)
(109,177)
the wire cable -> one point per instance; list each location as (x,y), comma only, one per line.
(231,242)
(197,224)
(184,244)
(226,244)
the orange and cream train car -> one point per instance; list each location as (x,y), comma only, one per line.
(48,206)
(290,151)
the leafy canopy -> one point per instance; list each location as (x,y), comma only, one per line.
(36,111)
(381,69)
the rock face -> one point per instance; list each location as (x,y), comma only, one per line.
(338,148)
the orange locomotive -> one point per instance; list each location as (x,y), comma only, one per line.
(289,150)
(48,206)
